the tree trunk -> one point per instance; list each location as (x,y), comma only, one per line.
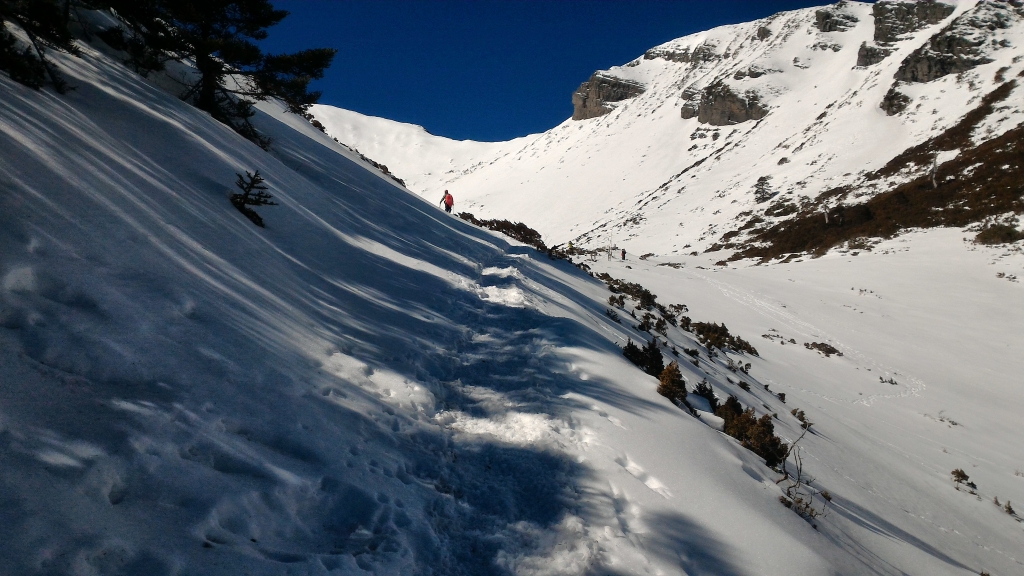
(207,95)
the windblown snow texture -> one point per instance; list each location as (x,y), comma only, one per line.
(370,386)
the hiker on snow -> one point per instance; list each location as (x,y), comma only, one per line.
(623,253)
(448,202)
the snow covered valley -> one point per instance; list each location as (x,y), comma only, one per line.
(371,386)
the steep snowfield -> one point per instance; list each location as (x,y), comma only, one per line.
(931,326)
(370,386)
(645,178)
(365,386)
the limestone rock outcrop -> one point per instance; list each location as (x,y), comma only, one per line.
(719,105)
(833,19)
(592,97)
(870,54)
(896,18)
(961,46)
(702,53)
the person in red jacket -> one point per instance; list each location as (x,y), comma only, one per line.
(448,202)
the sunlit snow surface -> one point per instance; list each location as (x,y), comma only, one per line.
(646,179)
(371,386)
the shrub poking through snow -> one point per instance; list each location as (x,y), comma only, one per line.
(632,353)
(713,335)
(824,348)
(644,298)
(671,385)
(515,230)
(254,193)
(705,391)
(959,476)
(648,358)
(755,434)
(652,362)
(804,422)
(646,323)
(1009,509)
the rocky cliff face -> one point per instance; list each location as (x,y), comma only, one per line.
(833,19)
(870,54)
(592,97)
(966,43)
(700,54)
(719,105)
(894,19)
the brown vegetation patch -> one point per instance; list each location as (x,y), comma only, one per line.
(981,182)
(823,347)
(515,230)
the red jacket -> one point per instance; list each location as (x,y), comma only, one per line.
(448,200)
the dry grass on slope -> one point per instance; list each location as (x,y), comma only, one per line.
(981,182)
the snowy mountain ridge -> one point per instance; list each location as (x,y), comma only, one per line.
(739,128)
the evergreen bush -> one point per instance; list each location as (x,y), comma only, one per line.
(633,353)
(704,390)
(671,384)
(652,362)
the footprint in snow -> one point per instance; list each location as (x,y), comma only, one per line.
(640,474)
(607,416)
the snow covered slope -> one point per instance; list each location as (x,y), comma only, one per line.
(738,127)
(364,386)
(370,386)
(826,108)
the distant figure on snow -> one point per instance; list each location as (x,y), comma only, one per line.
(448,202)
(623,254)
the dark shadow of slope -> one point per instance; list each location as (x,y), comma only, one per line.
(684,543)
(870,521)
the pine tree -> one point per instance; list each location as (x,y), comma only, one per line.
(755,434)
(254,193)
(143,34)
(220,37)
(45,23)
(761,440)
(959,476)
(671,384)
(704,390)
(653,362)
(633,353)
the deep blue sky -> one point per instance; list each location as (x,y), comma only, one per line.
(486,69)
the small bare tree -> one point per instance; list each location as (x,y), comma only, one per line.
(253,193)
(799,491)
